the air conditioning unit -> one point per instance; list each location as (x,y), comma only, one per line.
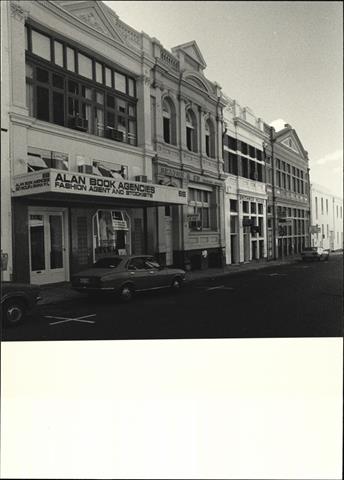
(78,123)
(141,178)
(85,169)
(114,134)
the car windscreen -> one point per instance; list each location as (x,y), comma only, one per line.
(108,262)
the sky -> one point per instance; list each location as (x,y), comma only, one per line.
(284,60)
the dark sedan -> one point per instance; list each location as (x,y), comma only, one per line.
(17,301)
(126,275)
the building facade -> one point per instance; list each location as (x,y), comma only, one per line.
(326,219)
(245,203)
(112,144)
(288,188)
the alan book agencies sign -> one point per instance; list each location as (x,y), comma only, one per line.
(60,181)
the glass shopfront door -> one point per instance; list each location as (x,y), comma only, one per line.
(48,252)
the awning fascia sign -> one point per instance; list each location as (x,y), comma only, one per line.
(65,182)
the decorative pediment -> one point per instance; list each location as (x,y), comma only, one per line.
(289,139)
(95,14)
(290,143)
(192,55)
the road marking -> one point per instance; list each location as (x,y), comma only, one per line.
(69,319)
(277,274)
(219,287)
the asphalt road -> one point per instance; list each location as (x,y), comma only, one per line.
(298,300)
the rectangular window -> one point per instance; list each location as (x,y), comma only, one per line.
(120,82)
(199,209)
(166,127)
(58,52)
(70,59)
(85,66)
(233,205)
(42,103)
(252,151)
(259,154)
(232,143)
(99,72)
(337,210)
(326,205)
(253,207)
(260,208)
(244,148)
(245,207)
(322,206)
(131,87)
(244,166)
(233,164)
(41,45)
(58,108)
(108,77)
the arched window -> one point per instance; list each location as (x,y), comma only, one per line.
(209,139)
(169,121)
(191,130)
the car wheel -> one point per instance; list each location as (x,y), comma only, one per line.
(176,284)
(13,311)
(126,293)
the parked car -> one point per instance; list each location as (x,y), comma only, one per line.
(315,253)
(126,275)
(17,301)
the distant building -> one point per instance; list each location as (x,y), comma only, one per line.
(326,218)
(245,191)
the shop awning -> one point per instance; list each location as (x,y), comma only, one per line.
(62,184)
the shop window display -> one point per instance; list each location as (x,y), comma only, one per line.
(110,233)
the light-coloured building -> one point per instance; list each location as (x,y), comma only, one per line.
(111,144)
(245,192)
(326,218)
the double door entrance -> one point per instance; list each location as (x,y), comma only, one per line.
(48,243)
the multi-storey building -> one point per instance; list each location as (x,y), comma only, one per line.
(288,188)
(245,193)
(111,144)
(326,218)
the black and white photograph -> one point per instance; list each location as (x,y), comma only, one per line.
(171,239)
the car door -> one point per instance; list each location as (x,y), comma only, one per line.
(158,275)
(139,274)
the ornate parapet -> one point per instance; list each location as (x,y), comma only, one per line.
(18,12)
(168,59)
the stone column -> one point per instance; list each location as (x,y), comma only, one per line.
(16,51)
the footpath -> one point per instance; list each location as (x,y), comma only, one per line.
(62,292)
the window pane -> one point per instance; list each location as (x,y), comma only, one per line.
(110,100)
(86,92)
(37,242)
(73,87)
(131,87)
(42,75)
(58,53)
(26,38)
(99,122)
(85,66)
(108,82)
(43,103)
(100,98)
(166,126)
(120,83)
(121,106)
(58,81)
(132,132)
(58,108)
(56,250)
(28,71)
(99,73)
(29,98)
(131,110)
(41,45)
(70,59)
